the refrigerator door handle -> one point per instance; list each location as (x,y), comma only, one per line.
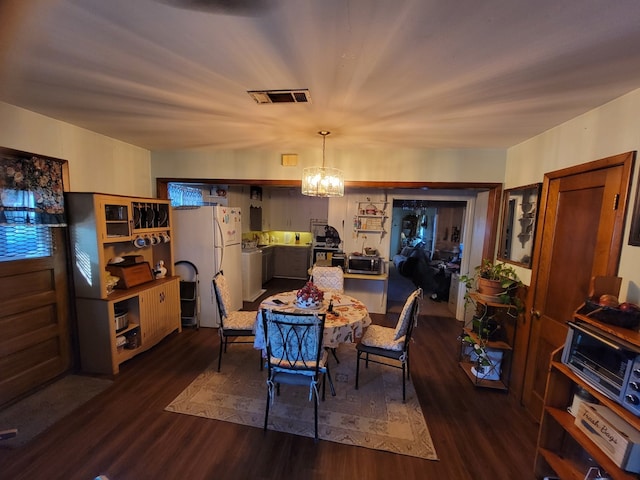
(220,246)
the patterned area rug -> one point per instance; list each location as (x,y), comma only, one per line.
(372,416)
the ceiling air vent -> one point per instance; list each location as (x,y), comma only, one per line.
(280,96)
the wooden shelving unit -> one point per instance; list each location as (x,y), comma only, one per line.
(103,227)
(563,449)
(504,316)
(370,217)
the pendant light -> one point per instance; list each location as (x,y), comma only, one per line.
(322,181)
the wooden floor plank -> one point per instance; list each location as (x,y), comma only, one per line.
(126,434)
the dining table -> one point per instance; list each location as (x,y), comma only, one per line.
(344,324)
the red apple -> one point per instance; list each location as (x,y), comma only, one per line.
(629,307)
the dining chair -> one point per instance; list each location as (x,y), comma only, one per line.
(328,278)
(391,343)
(233,323)
(295,355)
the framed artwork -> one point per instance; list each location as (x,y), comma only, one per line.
(519,218)
(634,234)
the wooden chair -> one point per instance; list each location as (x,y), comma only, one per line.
(295,355)
(233,324)
(391,343)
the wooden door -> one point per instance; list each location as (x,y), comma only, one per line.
(580,235)
(35,342)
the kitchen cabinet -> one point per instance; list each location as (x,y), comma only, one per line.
(291,211)
(291,262)
(102,228)
(153,312)
(495,332)
(563,450)
(267,264)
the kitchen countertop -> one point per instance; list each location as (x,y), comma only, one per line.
(294,245)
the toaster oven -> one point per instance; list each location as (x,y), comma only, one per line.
(365,264)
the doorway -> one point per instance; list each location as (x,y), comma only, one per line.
(426,249)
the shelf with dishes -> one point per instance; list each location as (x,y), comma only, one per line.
(370,217)
(125,220)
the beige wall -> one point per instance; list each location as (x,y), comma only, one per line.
(99,163)
(96,163)
(358,164)
(608,130)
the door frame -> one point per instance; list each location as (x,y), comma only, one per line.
(626,161)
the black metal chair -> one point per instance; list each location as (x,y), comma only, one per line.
(233,324)
(391,343)
(295,355)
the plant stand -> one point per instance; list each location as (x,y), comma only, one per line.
(486,358)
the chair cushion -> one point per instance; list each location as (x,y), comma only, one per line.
(328,278)
(300,367)
(405,317)
(382,337)
(220,283)
(240,320)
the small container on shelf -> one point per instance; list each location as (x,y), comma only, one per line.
(132,340)
(121,341)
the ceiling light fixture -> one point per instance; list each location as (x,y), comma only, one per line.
(321,181)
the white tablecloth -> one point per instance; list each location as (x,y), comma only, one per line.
(346,324)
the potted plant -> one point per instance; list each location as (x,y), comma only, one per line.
(487,361)
(495,280)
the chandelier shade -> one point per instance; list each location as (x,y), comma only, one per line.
(322,181)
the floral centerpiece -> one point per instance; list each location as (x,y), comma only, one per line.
(309,296)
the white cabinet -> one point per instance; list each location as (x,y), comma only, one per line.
(289,210)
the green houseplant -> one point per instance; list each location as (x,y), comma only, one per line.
(496,281)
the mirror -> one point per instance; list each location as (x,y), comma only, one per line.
(519,218)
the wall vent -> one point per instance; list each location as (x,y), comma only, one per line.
(280,96)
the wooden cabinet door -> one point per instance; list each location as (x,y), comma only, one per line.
(159,312)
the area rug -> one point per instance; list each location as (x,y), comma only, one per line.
(37,412)
(372,416)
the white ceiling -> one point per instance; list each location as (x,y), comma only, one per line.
(392,73)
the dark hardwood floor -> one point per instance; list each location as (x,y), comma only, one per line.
(126,434)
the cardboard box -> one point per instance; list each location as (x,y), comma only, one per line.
(131,275)
(619,440)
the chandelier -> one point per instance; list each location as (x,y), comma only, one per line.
(322,181)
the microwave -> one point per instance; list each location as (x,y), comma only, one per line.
(365,264)
(606,362)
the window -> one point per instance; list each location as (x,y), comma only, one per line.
(19,242)
(183,196)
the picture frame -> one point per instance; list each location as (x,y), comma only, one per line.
(519,221)
(634,233)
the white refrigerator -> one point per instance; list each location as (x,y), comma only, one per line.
(211,238)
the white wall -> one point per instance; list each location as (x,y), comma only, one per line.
(608,130)
(96,163)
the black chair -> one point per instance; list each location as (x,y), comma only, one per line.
(391,343)
(234,323)
(295,355)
